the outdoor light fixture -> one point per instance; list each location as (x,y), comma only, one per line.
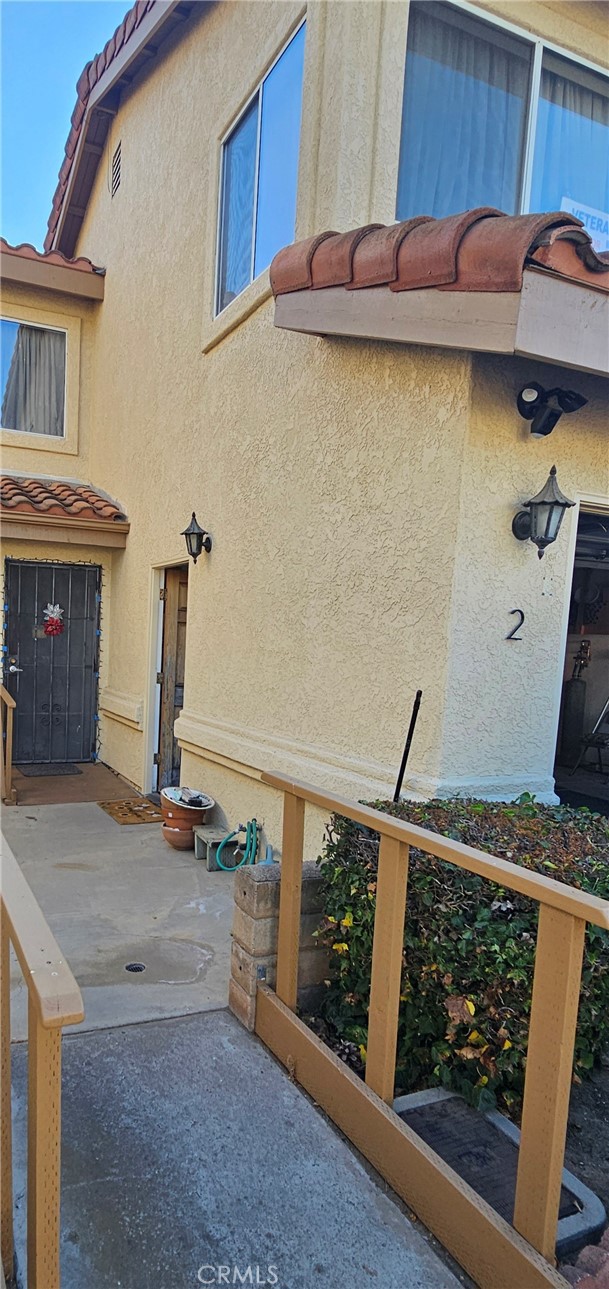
(540,522)
(544,407)
(197,539)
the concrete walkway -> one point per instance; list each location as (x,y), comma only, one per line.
(187,1149)
(114,894)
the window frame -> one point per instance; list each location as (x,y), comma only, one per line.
(539,45)
(70,325)
(245,106)
(41,326)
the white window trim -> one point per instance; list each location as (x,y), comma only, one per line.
(70,326)
(539,44)
(257,90)
(39,326)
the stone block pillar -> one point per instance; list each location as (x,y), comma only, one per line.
(254,948)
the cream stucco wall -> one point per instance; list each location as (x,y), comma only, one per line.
(339,479)
(502,701)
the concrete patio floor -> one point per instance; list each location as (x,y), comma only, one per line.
(186,1149)
(114,894)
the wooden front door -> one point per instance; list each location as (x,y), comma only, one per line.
(172,672)
(53,678)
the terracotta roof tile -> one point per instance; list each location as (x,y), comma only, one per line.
(478,250)
(292,265)
(375,259)
(27,252)
(332,263)
(56,498)
(428,256)
(85,84)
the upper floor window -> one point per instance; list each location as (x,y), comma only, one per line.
(33,376)
(259,176)
(491,118)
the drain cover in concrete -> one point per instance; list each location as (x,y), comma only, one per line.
(164,962)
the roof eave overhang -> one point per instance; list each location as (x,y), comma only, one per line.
(551,319)
(24,526)
(104,100)
(19,271)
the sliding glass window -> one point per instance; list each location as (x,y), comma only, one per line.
(259,176)
(493,118)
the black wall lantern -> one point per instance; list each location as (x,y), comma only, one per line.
(540,522)
(197,539)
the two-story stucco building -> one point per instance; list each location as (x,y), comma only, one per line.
(356,448)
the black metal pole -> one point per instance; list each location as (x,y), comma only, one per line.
(409,738)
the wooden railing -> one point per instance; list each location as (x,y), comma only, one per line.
(54,1000)
(7,706)
(495,1253)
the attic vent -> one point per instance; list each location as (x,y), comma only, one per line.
(116,171)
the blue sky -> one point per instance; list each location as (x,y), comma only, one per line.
(45,45)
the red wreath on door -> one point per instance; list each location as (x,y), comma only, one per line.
(53,624)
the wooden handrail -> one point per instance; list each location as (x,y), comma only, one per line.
(54,1000)
(563,914)
(538,887)
(7,707)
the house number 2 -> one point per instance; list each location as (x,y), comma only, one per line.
(512,634)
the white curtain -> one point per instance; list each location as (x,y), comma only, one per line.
(465,94)
(34,394)
(572,141)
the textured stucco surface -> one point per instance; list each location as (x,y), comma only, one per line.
(502,701)
(360,496)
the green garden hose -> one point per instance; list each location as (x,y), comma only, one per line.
(251,846)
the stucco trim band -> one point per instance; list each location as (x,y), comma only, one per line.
(122,707)
(260,751)
(251,752)
(551,319)
(71,532)
(49,273)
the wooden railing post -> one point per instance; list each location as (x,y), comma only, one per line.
(556,986)
(7,1246)
(387,952)
(43,1152)
(7,705)
(8,755)
(288,934)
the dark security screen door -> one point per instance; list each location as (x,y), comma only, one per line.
(54,683)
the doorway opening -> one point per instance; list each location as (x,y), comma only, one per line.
(170,674)
(51,659)
(582,750)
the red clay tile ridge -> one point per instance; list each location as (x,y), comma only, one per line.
(56,499)
(87,80)
(25,251)
(478,250)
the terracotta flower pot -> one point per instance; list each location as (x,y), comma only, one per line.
(178,815)
(179,838)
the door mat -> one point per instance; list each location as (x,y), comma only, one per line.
(137,810)
(47,771)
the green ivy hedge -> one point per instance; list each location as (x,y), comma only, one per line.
(469,945)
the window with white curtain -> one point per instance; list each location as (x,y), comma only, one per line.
(493,118)
(32,378)
(259,176)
